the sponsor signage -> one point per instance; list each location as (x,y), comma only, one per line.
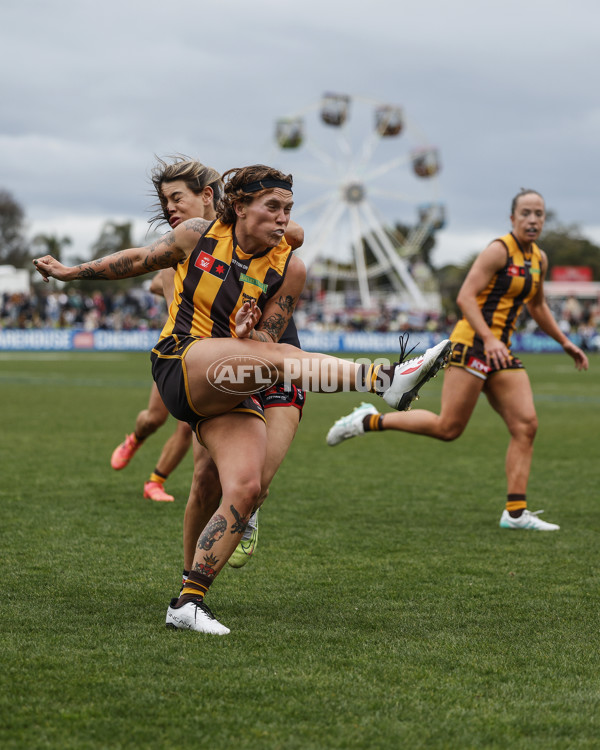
(33,339)
(572,273)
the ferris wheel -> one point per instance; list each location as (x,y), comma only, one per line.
(361,171)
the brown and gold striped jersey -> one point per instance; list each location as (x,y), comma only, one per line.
(217,278)
(503,299)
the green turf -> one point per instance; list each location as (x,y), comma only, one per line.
(384,607)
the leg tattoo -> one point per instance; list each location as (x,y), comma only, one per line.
(212,533)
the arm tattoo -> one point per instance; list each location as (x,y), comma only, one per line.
(93,270)
(275,325)
(89,273)
(240,523)
(260,336)
(168,239)
(158,260)
(160,253)
(197,225)
(287,304)
(121,267)
(214,530)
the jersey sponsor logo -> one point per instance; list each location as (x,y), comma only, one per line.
(515,271)
(477,364)
(212,265)
(256,282)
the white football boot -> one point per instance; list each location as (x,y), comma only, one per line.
(409,376)
(351,425)
(194,616)
(527,520)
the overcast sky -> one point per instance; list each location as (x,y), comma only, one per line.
(506,90)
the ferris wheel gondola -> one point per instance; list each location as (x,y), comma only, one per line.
(362,169)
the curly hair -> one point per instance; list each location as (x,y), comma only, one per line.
(196,176)
(234,182)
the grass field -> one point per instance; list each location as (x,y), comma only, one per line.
(384,607)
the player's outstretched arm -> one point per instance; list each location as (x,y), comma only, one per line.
(135,261)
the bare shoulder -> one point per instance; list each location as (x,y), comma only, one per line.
(196,226)
(296,268)
(485,266)
(179,242)
(294,234)
(493,257)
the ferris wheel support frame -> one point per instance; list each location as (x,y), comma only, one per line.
(396,261)
(359,258)
(322,232)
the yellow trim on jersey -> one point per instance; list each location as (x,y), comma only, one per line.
(502,300)
(216,279)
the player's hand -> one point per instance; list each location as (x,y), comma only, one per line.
(496,353)
(581,360)
(246,319)
(49,267)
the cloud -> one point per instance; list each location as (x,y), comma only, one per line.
(505,90)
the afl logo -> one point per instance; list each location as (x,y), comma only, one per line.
(243,375)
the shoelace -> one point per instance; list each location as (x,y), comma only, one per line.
(403,341)
(204,607)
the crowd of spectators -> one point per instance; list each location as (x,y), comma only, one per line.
(138,309)
(385,318)
(574,316)
(131,309)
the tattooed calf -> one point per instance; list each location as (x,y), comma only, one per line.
(208,566)
(212,533)
(240,523)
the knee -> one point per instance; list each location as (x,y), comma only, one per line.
(526,428)
(251,489)
(152,420)
(246,494)
(451,431)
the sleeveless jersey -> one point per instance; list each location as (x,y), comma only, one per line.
(503,299)
(216,279)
